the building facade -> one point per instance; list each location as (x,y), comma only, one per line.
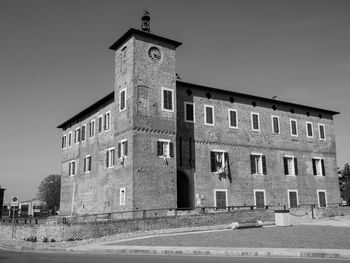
(158,142)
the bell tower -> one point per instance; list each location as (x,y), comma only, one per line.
(145,95)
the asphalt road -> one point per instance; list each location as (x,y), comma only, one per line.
(49,257)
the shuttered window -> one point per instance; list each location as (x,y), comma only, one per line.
(293,127)
(92,128)
(107,121)
(321,131)
(167,97)
(100,123)
(318,166)
(71,168)
(275,125)
(122,99)
(209,115)
(110,158)
(189,112)
(165,148)
(87,164)
(258,164)
(232,117)
(123,148)
(309,130)
(83,132)
(255,121)
(290,164)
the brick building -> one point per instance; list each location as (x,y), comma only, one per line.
(159,142)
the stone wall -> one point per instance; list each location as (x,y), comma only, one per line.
(61,232)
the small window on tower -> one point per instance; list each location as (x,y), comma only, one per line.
(122,102)
(167,99)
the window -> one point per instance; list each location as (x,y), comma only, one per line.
(167,99)
(232,118)
(100,118)
(122,148)
(122,196)
(64,141)
(218,161)
(71,168)
(318,166)
(322,198)
(259,198)
(293,127)
(123,60)
(92,128)
(255,121)
(110,160)
(77,135)
(275,124)
(309,130)
(87,164)
(220,198)
(293,201)
(189,112)
(258,163)
(83,132)
(209,115)
(107,121)
(321,132)
(122,100)
(70,139)
(290,164)
(165,148)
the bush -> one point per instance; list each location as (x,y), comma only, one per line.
(45,240)
(31,239)
(53,240)
(70,239)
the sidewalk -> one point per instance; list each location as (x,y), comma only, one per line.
(325,238)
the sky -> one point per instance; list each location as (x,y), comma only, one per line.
(55,61)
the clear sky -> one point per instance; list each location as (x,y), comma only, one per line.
(55,61)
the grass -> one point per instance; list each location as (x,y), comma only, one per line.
(301,236)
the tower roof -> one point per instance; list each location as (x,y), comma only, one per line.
(134,32)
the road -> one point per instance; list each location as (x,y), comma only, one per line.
(35,257)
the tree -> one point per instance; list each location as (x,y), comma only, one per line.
(344,183)
(49,191)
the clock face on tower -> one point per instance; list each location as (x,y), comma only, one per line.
(154,54)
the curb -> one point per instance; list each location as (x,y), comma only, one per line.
(214,251)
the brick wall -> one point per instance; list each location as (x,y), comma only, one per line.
(239,143)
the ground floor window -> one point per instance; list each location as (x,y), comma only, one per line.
(220,198)
(122,196)
(322,198)
(293,198)
(259,198)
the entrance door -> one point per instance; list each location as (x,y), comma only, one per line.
(183,191)
(259,199)
(293,199)
(322,198)
(220,199)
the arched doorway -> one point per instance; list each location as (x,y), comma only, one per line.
(183,190)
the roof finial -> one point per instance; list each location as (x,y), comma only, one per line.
(146,25)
